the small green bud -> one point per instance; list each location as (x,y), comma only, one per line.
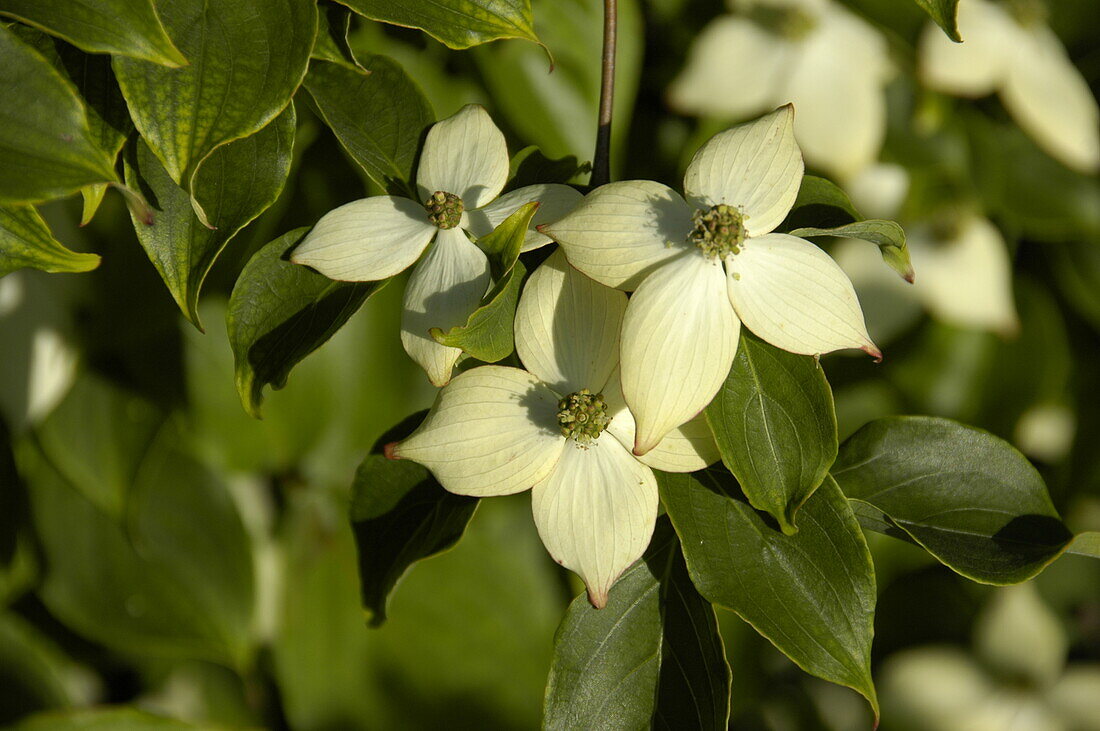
(444,209)
(582,416)
(719,232)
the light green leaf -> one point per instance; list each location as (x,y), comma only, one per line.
(400,515)
(142,580)
(105,718)
(122,27)
(887,235)
(945,13)
(775,426)
(456,23)
(966,496)
(488,334)
(26,241)
(378,113)
(812,593)
(544,108)
(280,312)
(1086,544)
(247,57)
(47,149)
(237,183)
(652,656)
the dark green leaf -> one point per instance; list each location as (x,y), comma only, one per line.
(378,114)
(123,27)
(488,334)
(47,148)
(969,498)
(529,167)
(774,423)
(333,23)
(820,203)
(247,57)
(237,183)
(945,13)
(170,574)
(457,23)
(653,654)
(812,593)
(281,312)
(33,671)
(26,241)
(102,719)
(400,515)
(887,235)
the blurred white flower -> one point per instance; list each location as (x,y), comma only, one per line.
(832,65)
(964,275)
(560,427)
(1023,683)
(463,168)
(1008,48)
(705,266)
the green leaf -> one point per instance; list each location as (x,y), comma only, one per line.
(331,44)
(26,241)
(143,580)
(812,593)
(653,654)
(400,515)
(775,426)
(945,13)
(47,149)
(887,235)
(456,23)
(530,166)
(281,312)
(247,57)
(237,183)
(122,27)
(1086,544)
(33,671)
(104,718)
(820,202)
(966,496)
(488,334)
(378,113)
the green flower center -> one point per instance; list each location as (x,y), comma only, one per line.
(444,209)
(1028,12)
(719,231)
(582,416)
(791,23)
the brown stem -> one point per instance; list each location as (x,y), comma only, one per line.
(601,161)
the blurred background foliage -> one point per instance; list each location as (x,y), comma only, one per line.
(119,417)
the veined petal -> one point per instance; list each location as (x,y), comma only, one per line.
(366,240)
(678,342)
(687,448)
(567,327)
(732,70)
(756,167)
(1049,98)
(492,431)
(444,289)
(792,294)
(595,512)
(966,280)
(836,85)
(976,66)
(555,200)
(464,154)
(621,231)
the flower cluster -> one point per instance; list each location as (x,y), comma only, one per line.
(611,387)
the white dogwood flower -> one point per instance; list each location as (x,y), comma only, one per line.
(829,63)
(1008,48)
(561,428)
(463,168)
(704,266)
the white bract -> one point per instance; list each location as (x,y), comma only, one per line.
(560,427)
(1008,48)
(814,53)
(463,168)
(704,266)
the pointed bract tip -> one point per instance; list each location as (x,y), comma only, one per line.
(598,599)
(390,451)
(641,448)
(873,351)
(541,228)
(910,276)
(788,107)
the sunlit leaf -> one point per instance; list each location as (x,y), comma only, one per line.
(774,423)
(26,241)
(887,235)
(969,498)
(457,23)
(945,13)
